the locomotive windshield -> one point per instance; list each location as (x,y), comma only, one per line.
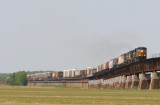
(141,48)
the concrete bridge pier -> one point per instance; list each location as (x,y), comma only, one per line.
(135,81)
(116,82)
(91,84)
(99,83)
(110,83)
(143,84)
(158,73)
(105,84)
(122,82)
(102,82)
(154,81)
(128,82)
(98,86)
(119,82)
(108,86)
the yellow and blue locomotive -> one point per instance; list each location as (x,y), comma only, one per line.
(137,54)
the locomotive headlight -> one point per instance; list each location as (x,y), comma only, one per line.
(141,50)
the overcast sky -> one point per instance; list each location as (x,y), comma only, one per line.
(65,34)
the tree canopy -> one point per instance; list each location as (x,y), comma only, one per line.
(19,78)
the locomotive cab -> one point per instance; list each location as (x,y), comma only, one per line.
(141,53)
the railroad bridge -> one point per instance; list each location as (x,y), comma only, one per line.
(142,75)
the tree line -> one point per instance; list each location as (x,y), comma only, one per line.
(19,78)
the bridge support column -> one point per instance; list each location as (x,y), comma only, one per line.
(111,83)
(119,82)
(128,82)
(154,81)
(135,81)
(123,82)
(105,84)
(113,80)
(102,82)
(116,82)
(143,84)
(99,83)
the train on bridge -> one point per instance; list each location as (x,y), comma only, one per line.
(133,56)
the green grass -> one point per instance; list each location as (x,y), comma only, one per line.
(58,95)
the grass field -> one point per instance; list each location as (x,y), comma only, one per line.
(58,95)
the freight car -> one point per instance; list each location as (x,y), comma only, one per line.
(40,76)
(70,73)
(66,74)
(90,71)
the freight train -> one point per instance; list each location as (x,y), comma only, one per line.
(132,56)
(65,74)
